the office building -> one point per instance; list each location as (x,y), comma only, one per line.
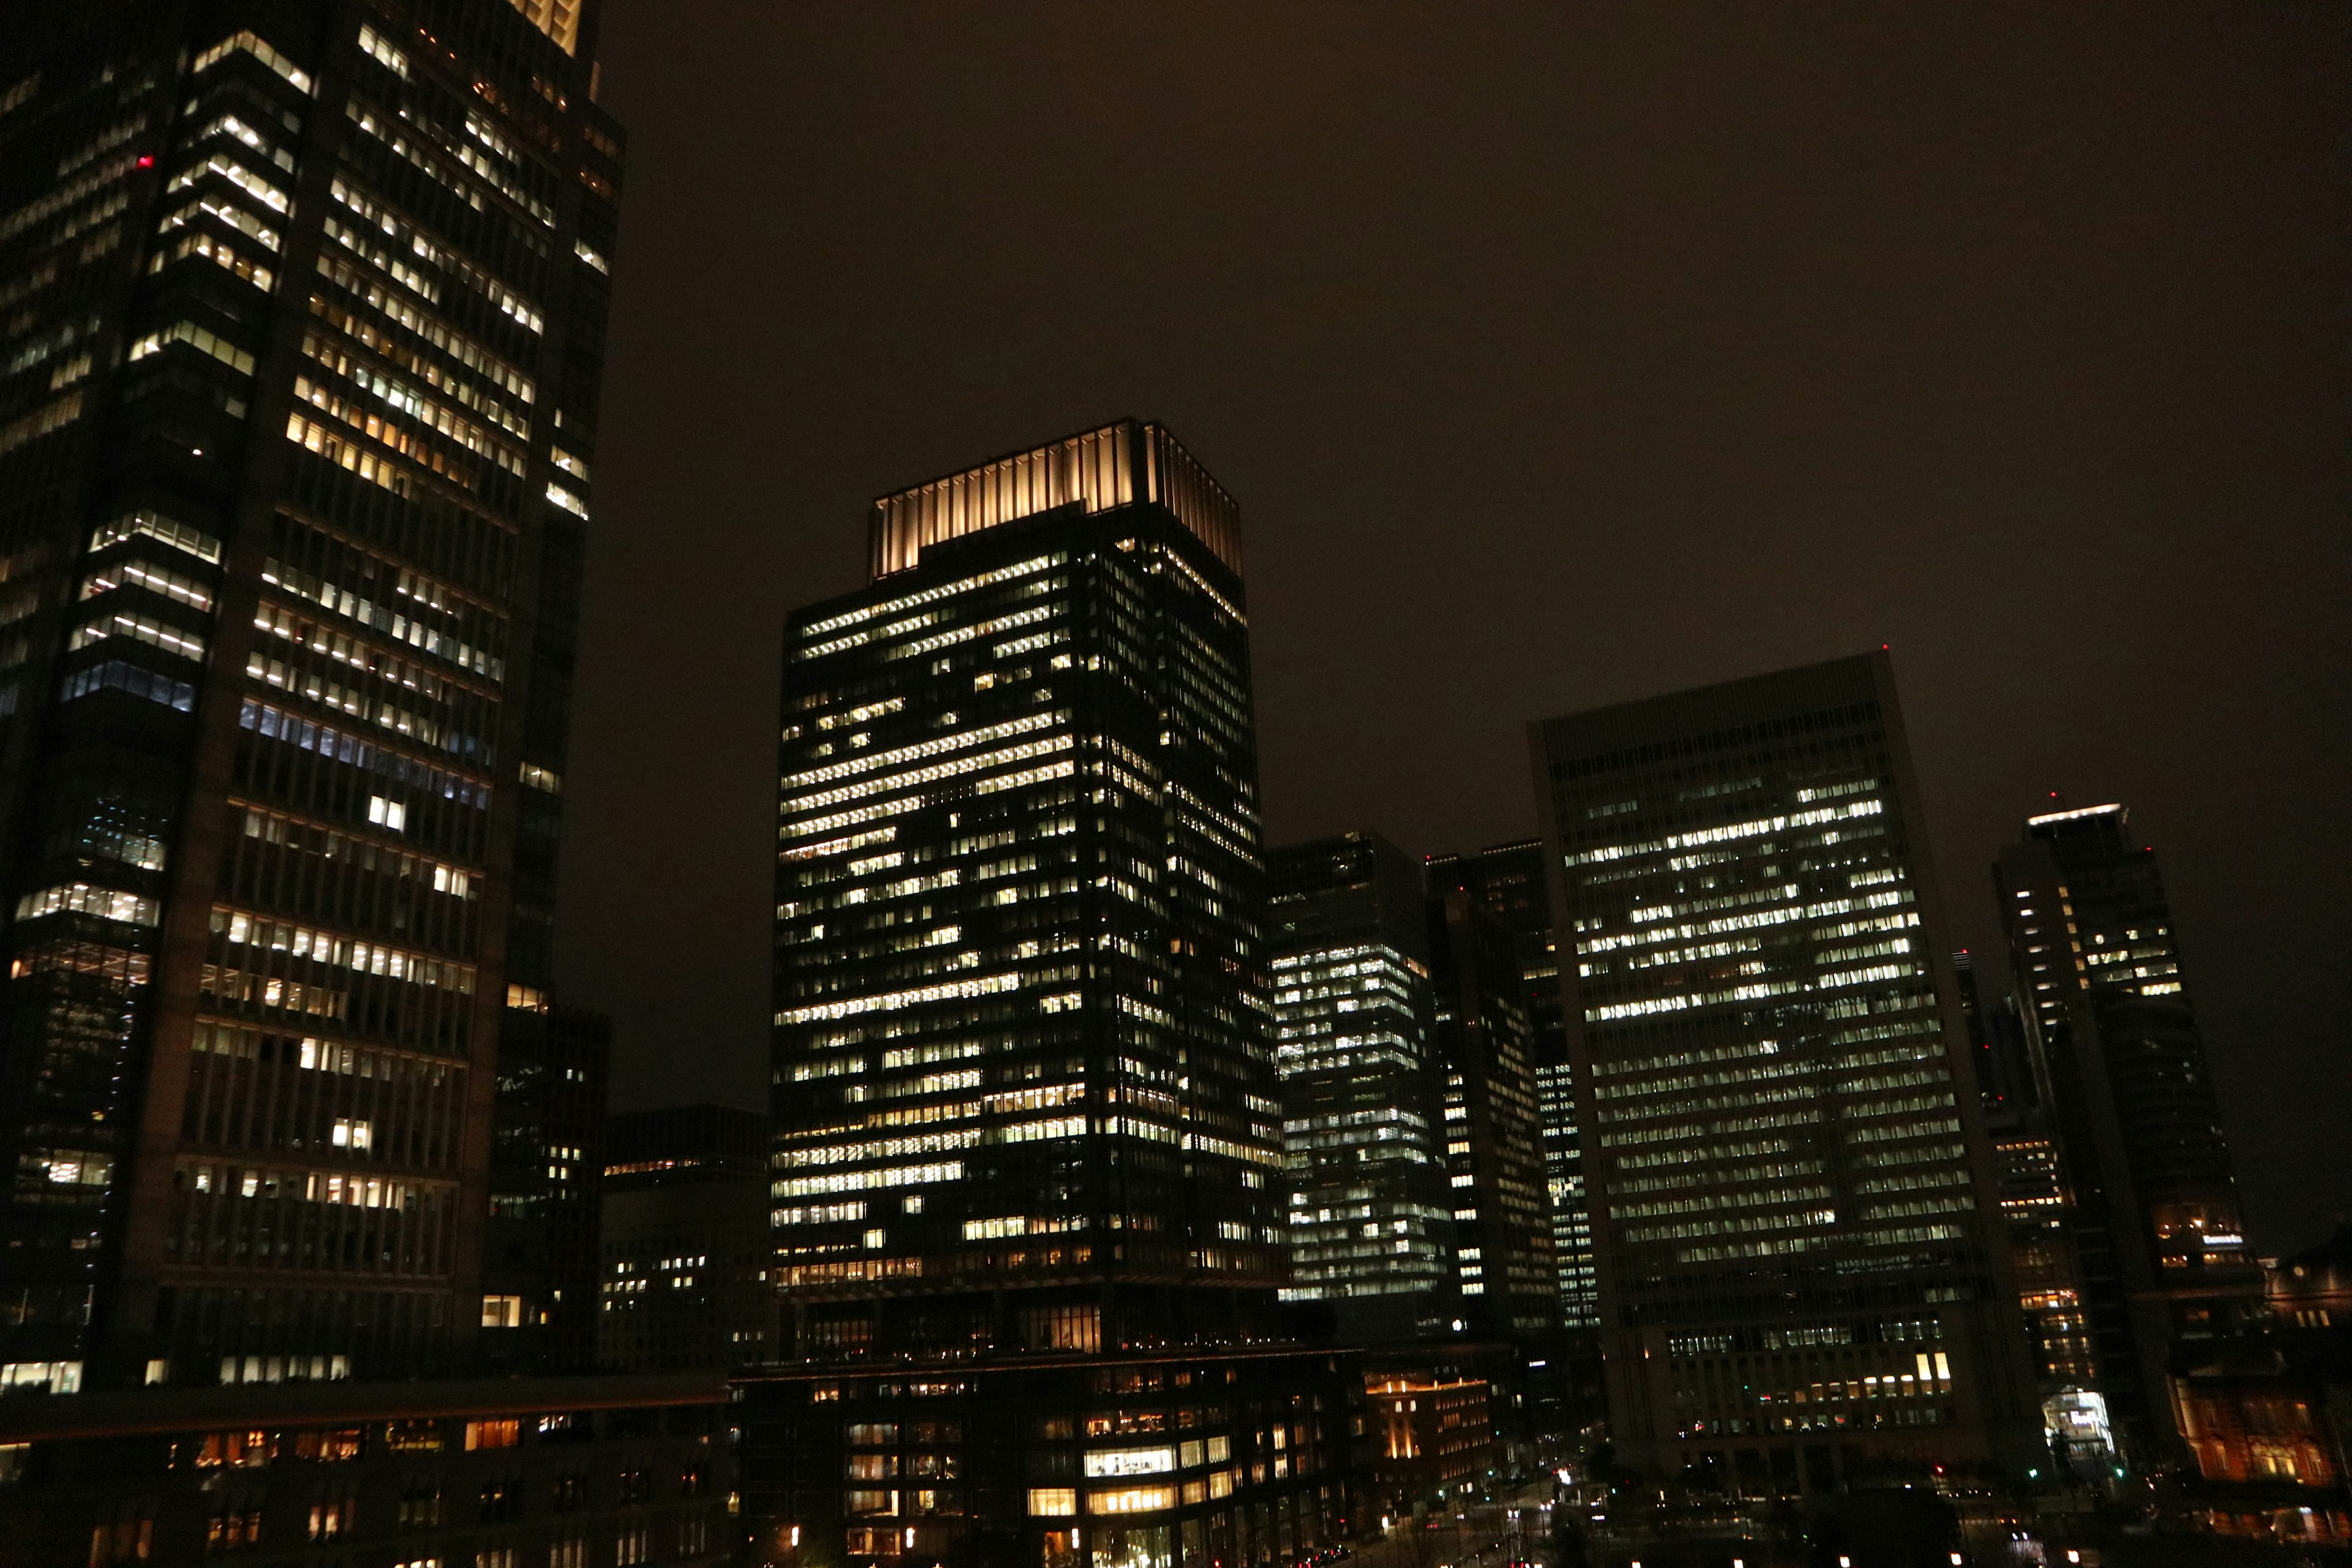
(1166,1459)
(1508,881)
(686,1259)
(1022,1065)
(1028,1146)
(2166,1267)
(1372,1217)
(304,310)
(1794,1214)
(492,1473)
(2046,1238)
(1494,1131)
(540,1252)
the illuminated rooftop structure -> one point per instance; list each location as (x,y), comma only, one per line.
(1116,466)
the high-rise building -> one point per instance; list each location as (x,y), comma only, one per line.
(547,1133)
(686,1257)
(1025,1087)
(1795,1222)
(2154,1206)
(303,309)
(2046,1239)
(1372,1217)
(1508,881)
(1026,1185)
(1493,1130)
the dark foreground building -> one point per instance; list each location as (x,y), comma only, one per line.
(1508,882)
(2166,1272)
(303,310)
(689,1271)
(1234,1456)
(1027,1168)
(1371,1212)
(1795,1222)
(560,1472)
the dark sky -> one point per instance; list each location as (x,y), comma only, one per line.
(1557,355)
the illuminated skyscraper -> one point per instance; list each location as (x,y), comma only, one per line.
(1794,1219)
(304,314)
(1027,1180)
(2154,1210)
(1025,1087)
(1371,1221)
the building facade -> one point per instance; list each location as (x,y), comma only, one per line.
(2167,1270)
(1024,1088)
(1371,1212)
(1508,881)
(1240,1457)
(567,1471)
(540,1252)
(687,1266)
(1795,1220)
(304,311)
(1494,1130)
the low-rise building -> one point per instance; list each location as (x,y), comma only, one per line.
(492,1473)
(1212,1455)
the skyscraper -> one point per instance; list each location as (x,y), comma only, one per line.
(1024,1091)
(1494,1131)
(1508,881)
(304,312)
(2156,1210)
(1027,1173)
(1371,1220)
(1794,1218)
(2046,1239)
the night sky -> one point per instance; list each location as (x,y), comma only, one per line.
(1558,356)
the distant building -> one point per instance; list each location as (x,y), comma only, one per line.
(1371,1220)
(563,1471)
(1236,1455)
(2046,1238)
(538,1252)
(1795,1217)
(2268,1416)
(1508,881)
(1427,1436)
(1494,1131)
(2167,1270)
(687,1278)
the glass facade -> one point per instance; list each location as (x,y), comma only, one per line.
(1792,1206)
(1371,1223)
(304,312)
(1024,1081)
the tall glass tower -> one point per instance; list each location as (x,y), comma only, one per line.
(302,316)
(1024,1085)
(1794,1217)
(1371,1210)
